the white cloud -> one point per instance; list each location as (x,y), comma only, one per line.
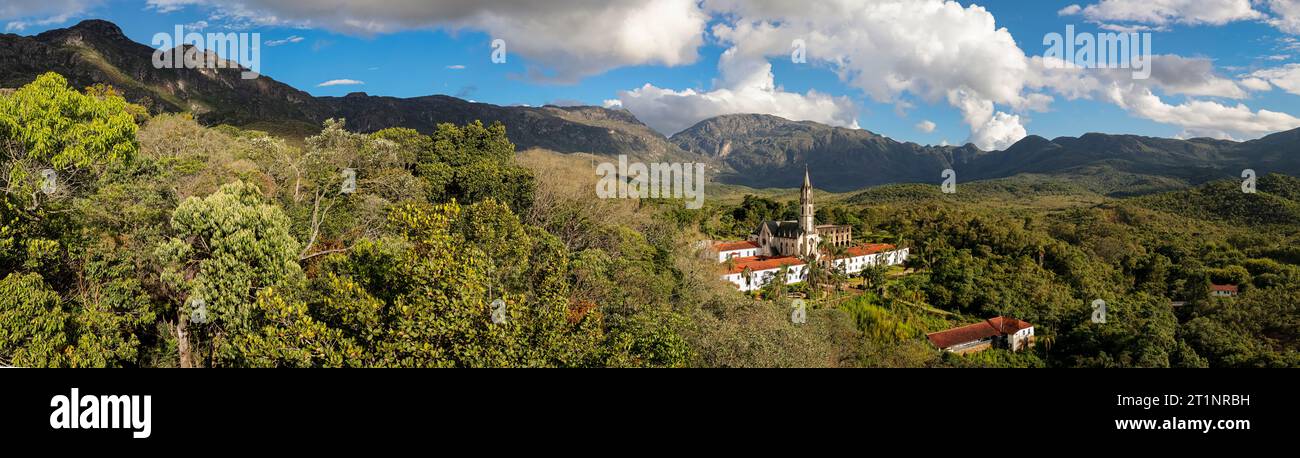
(745,87)
(1133,28)
(26,9)
(939,51)
(1171,75)
(1000,132)
(888,48)
(565,40)
(292,39)
(1256,84)
(342,82)
(894,51)
(926,126)
(1160,12)
(1286,77)
(21,14)
(1286,15)
(169,6)
(1200,118)
(1191,76)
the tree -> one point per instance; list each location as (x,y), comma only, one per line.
(422,296)
(474,163)
(55,145)
(224,248)
(40,329)
(838,271)
(46,125)
(874,277)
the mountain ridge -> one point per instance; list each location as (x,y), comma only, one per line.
(755,150)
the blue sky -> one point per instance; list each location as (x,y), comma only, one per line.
(1243,54)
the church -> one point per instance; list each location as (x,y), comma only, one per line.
(774,245)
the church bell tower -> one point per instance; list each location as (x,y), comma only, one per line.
(806,211)
(808,238)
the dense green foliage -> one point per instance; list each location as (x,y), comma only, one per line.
(162,243)
(165,243)
(1151,259)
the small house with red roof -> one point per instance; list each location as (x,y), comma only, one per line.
(728,250)
(752,273)
(1223,290)
(1000,332)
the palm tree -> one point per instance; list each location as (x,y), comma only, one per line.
(1047,340)
(838,272)
(814,273)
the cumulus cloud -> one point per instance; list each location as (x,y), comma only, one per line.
(342,82)
(926,126)
(1191,76)
(1256,84)
(941,51)
(564,39)
(931,49)
(1286,15)
(1192,12)
(1172,75)
(1282,14)
(893,51)
(1200,118)
(1287,78)
(745,86)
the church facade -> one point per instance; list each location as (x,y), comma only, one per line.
(789,245)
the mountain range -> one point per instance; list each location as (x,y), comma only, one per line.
(744,149)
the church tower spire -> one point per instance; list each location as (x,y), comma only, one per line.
(806,211)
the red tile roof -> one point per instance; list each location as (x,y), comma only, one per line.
(761,263)
(1229,288)
(733,246)
(992,327)
(869,248)
(1008,325)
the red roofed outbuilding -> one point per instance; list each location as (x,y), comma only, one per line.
(728,250)
(998,331)
(1223,290)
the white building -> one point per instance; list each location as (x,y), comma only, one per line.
(750,274)
(1000,332)
(728,250)
(776,244)
(862,256)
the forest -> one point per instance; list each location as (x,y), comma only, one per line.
(130,239)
